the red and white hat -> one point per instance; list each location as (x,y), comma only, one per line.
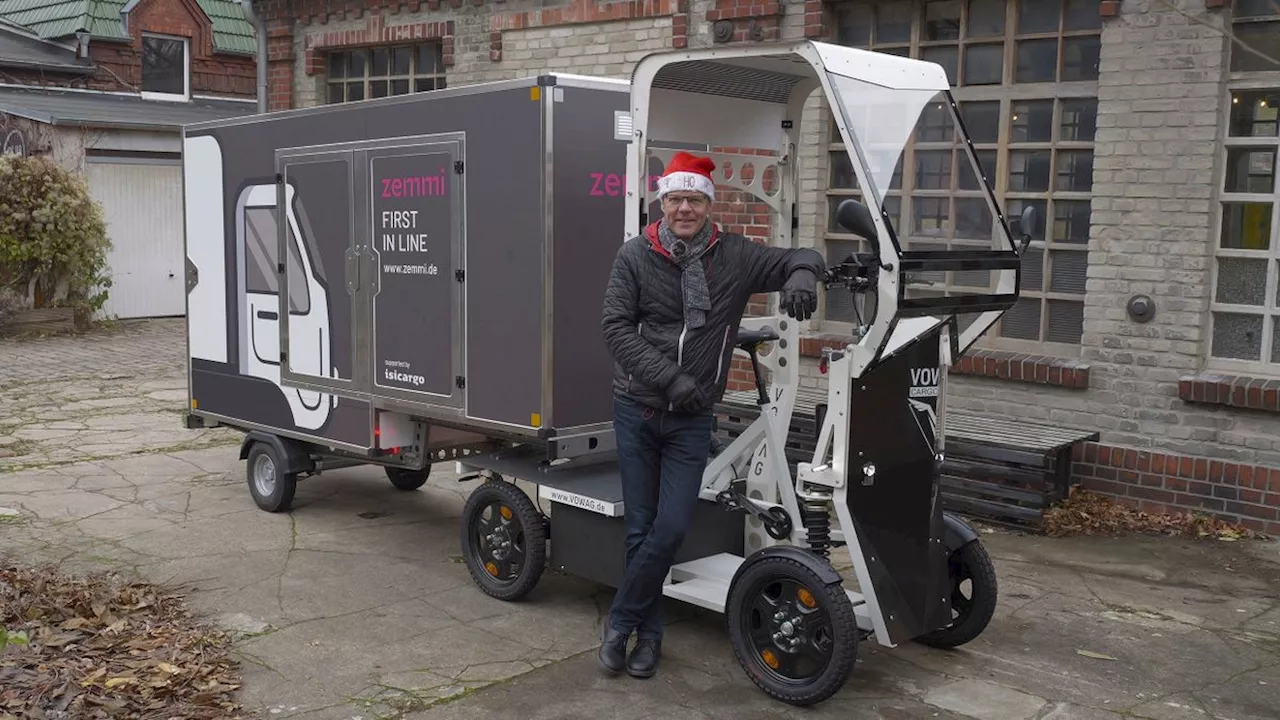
(687,172)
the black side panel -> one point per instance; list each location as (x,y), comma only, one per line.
(589,205)
(898,517)
(219,389)
(593,546)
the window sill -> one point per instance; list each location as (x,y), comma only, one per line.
(1240,391)
(998,364)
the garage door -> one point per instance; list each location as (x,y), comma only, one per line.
(141,202)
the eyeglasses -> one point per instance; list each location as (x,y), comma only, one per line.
(696,202)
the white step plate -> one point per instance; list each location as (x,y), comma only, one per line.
(706,593)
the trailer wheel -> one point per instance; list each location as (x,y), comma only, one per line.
(794,634)
(271,488)
(405,479)
(971,563)
(504,540)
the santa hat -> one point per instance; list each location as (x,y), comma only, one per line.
(687,172)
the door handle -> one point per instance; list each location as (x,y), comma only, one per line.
(267,315)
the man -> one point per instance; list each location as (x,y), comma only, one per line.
(672,306)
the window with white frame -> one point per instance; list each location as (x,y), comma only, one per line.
(364,73)
(1024,73)
(166,67)
(1244,306)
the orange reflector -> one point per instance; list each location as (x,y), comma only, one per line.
(535,419)
(535,93)
(770,659)
(806,598)
(505,512)
(193,403)
(493,569)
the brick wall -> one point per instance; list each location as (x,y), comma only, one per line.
(497,41)
(1157,482)
(120,62)
(1144,386)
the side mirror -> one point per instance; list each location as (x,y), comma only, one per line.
(1025,222)
(1028,220)
(856,218)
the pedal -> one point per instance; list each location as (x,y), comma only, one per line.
(776,520)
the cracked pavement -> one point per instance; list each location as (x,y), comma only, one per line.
(357,604)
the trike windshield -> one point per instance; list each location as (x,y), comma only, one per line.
(909,159)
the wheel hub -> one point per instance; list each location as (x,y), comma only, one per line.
(499,543)
(264,475)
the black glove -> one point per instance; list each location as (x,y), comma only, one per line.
(685,395)
(800,294)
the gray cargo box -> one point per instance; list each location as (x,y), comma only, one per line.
(445,257)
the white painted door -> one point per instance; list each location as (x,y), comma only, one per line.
(141,202)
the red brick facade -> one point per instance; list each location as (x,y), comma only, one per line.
(1160,482)
(119,63)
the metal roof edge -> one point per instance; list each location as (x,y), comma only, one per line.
(25,115)
(49,66)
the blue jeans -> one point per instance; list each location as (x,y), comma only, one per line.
(661,458)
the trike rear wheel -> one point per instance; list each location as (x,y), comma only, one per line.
(504,540)
(794,634)
(969,563)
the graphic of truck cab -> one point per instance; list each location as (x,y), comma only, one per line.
(309,336)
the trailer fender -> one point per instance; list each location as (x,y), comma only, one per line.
(292,455)
(820,567)
(956,532)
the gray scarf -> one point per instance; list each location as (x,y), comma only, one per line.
(697,298)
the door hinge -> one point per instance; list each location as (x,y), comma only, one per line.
(458,166)
(460,381)
(279,268)
(284,359)
(279,178)
(460,274)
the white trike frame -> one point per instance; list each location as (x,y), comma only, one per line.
(676,99)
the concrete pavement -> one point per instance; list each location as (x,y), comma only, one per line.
(357,604)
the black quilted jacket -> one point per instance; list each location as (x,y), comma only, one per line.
(644,311)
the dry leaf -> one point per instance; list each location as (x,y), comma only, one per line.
(107,647)
(1087,513)
(1095,655)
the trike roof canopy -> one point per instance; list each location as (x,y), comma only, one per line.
(949,256)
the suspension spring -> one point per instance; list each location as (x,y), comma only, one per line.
(817,524)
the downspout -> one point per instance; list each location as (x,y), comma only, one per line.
(260,30)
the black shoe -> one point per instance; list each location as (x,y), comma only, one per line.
(613,650)
(643,661)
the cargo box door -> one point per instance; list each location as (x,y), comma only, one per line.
(313,258)
(415,247)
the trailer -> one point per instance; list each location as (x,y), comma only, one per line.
(419,279)
(374,282)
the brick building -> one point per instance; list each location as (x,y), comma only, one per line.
(104,86)
(1140,129)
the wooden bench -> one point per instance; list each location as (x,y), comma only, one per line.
(1001,470)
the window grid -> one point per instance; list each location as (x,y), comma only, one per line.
(1244,308)
(1255,23)
(383,71)
(1050,311)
